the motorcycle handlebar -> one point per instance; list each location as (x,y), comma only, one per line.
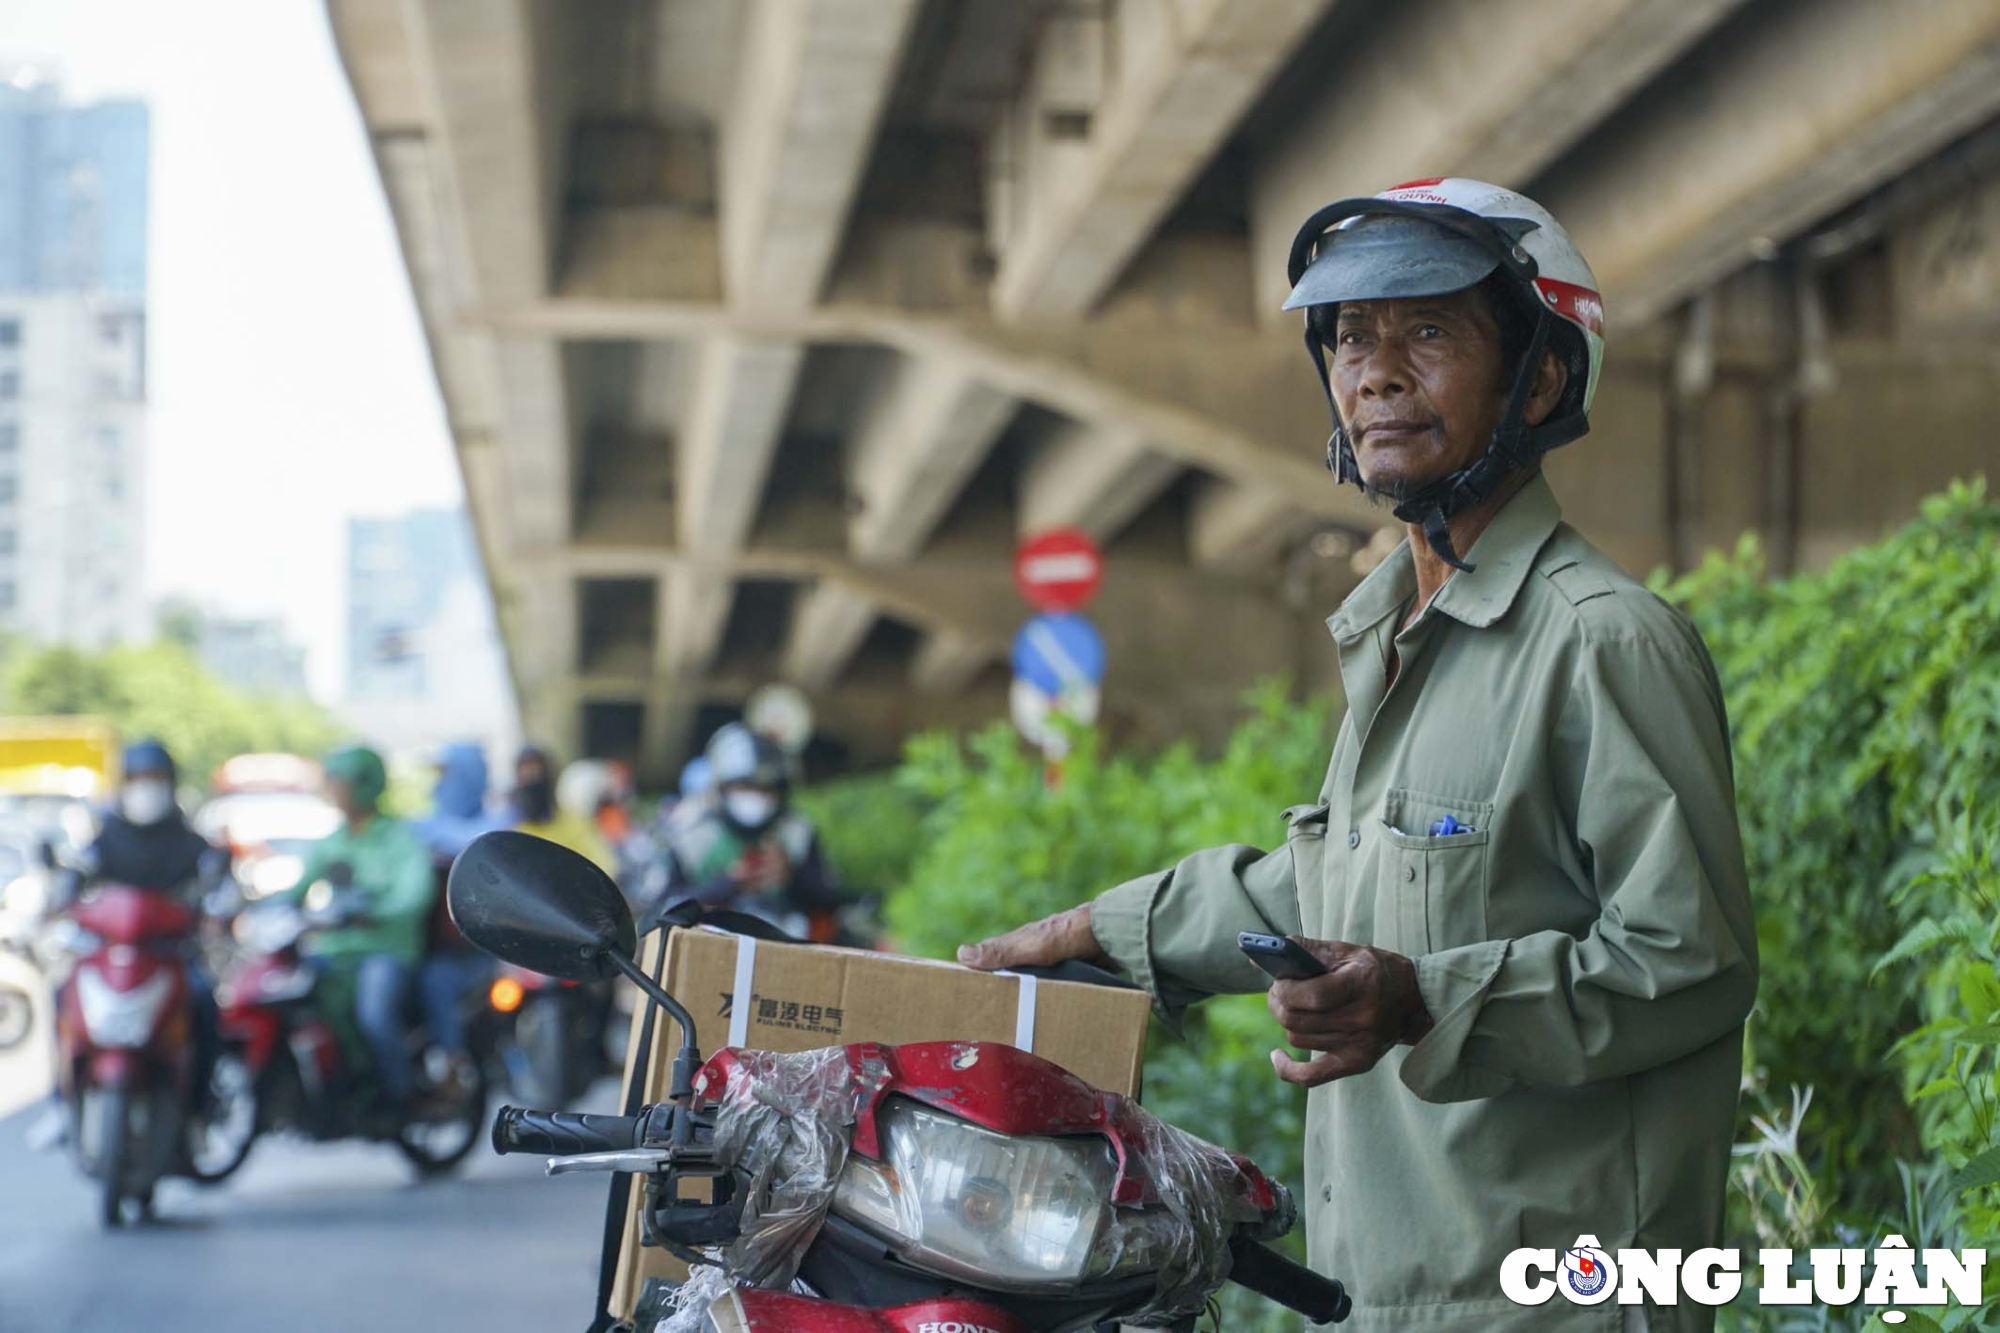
(1292,1285)
(561,1133)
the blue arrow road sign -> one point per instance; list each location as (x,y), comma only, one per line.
(1059,652)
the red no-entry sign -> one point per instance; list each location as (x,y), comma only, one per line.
(1059,570)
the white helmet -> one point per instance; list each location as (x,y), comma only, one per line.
(1430,237)
(583,787)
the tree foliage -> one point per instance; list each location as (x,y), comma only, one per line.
(161,690)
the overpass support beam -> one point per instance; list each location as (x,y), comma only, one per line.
(1237,529)
(1527,80)
(827,628)
(1096,480)
(1813,106)
(927,430)
(741,396)
(1185,75)
(948,661)
(815,78)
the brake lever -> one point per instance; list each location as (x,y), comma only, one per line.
(635,1160)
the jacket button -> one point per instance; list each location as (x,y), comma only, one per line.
(1326,1193)
(1354,837)
(1409,873)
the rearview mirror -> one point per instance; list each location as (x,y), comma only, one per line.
(540,906)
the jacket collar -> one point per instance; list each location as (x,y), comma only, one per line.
(1502,557)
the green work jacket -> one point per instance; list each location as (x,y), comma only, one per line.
(1585,947)
(393,869)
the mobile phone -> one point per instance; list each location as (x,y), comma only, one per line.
(1282,959)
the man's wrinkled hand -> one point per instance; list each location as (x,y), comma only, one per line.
(1366,1003)
(1053,939)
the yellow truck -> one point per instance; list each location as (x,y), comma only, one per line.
(53,769)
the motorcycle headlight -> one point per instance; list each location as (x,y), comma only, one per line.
(958,1199)
(274,874)
(116,1017)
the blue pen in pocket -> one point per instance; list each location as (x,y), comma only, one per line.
(1447,826)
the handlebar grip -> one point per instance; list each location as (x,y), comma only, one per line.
(1263,1270)
(560,1133)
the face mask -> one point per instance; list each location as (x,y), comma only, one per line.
(751,809)
(146,801)
(536,800)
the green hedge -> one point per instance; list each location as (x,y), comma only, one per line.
(1865,707)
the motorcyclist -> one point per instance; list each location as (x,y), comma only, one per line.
(745,847)
(600,791)
(366,963)
(450,966)
(144,841)
(536,811)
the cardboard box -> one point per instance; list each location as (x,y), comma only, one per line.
(800,997)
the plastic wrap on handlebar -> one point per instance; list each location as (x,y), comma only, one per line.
(1268,1273)
(560,1133)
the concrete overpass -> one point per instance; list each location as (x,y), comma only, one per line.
(766,327)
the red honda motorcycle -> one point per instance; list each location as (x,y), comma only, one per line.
(125,1042)
(937,1187)
(297,1078)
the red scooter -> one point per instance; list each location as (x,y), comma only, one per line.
(125,1041)
(296,1077)
(937,1187)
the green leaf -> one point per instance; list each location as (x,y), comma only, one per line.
(1913,1322)
(1923,936)
(1936,1087)
(1981,1170)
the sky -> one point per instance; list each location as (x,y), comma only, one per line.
(291,385)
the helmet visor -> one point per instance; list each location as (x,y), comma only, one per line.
(1385,257)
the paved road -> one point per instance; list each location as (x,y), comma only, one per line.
(306,1237)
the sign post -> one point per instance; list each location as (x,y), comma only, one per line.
(1058,656)
(1059,570)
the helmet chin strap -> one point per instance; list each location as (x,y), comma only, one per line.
(1514,447)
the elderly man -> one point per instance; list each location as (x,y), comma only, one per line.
(1523,872)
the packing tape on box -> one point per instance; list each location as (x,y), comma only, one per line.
(741,999)
(1024,1014)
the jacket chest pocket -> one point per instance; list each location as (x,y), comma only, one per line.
(1431,886)
(1305,838)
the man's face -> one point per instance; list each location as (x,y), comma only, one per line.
(342,795)
(529,772)
(1418,385)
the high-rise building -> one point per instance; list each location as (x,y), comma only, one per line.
(72,190)
(72,466)
(73,390)
(254,653)
(423,653)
